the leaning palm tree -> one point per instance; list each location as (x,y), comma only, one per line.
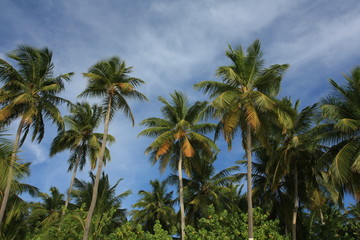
(341,114)
(109,80)
(14,224)
(29,93)
(179,137)
(156,205)
(80,139)
(239,101)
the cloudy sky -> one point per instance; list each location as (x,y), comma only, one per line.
(173,45)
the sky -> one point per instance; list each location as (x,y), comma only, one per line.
(172,45)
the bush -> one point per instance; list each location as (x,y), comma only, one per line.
(129,232)
(233,226)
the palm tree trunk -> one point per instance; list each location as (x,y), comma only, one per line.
(296,202)
(322,218)
(10,172)
(98,173)
(181,196)
(71,187)
(311,223)
(249,183)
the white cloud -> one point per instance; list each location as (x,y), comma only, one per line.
(36,152)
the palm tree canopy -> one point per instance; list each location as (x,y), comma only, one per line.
(341,115)
(155,205)
(204,188)
(48,211)
(107,195)
(31,91)
(179,132)
(54,201)
(21,171)
(109,79)
(80,137)
(246,90)
(297,143)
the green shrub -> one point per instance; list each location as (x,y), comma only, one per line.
(130,232)
(233,226)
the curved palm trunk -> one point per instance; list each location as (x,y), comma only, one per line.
(296,202)
(249,183)
(98,173)
(70,188)
(181,196)
(10,172)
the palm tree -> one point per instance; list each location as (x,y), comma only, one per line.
(204,188)
(341,113)
(107,197)
(31,94)
(245,93)
(80,139)
(109,79)
(237,199)
(5,153)
(48,211)
(298,152)
(179,137)
(275,200)
(107,201)
(293,161)
(155,205)
(353,212)
(15,217)
(14,225)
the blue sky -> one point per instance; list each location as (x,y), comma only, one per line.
(173,45)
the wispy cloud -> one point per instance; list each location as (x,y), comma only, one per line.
(35,153)
(328,41)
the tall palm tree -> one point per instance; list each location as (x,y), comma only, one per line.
(293,161)
(299,151)
(179,137)
(341,113)
(31,94)
(239,101)
(155,205)
(80,138)
(109,80)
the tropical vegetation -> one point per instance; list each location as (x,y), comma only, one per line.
(298,164)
